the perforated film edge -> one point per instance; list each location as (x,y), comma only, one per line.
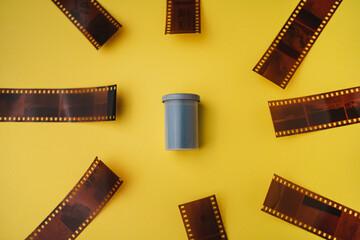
(287,25)
(313,98)
(81,27)
(314,196)
(34,235)
(169,17)
(57,91)
(217,215)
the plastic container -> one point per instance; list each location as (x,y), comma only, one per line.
(181,121)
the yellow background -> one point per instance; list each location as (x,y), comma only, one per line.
(41,162)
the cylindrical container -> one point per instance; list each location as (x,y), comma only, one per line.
(181,121)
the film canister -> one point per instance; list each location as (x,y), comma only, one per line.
(181,121)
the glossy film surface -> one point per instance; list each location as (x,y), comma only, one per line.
(90,18)
(202,219)
(311,211)
(80,206)
(315,112)
(183,16)
(295,39)
(58,105)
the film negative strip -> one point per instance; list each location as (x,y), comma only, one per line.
(295,39)
(90,18)
(311,211)
(316,112)
(58,105)
(80,206)
(202,219)
(183,16)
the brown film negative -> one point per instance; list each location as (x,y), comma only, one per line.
(58,105)
(80,206)
(202,219)
(311,211)
(315,112)
(90,18)
(295,39)
(183,16)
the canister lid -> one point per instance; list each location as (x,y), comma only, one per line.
(181,96)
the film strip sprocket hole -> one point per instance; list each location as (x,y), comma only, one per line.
(90,18)
(311,211)
(58,105)
(315,112)
(295,39)
(182,16)
(202,219)
(81,205)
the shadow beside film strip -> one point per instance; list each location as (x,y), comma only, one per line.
(90,18)
(315,112)
(182,16)
(311,211)
(80,206)
(295,39)
(202,219)
(58,105)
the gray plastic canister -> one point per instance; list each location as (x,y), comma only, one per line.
(181,121)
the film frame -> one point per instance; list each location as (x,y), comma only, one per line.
(182,16)
(80,206)
(92,20)
(311,211)
(202,219)
(58,105)
(295,39)
(315,112)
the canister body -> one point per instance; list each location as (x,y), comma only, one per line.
(181,121)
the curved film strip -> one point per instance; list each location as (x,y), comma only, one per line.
(58,105)
(182,16)
(311,211)
(202,219)
(295,39)
(80,206)
(90,18)
(315,112)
